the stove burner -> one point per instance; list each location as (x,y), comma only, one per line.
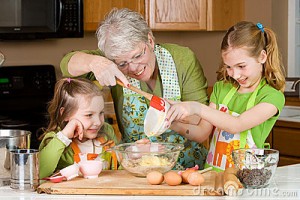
(4,118)
(14,123)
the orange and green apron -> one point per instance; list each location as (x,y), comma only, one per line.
(223,143)
(109,158)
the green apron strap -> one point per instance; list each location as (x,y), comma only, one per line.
(250,104)
(229,96)
(243,139)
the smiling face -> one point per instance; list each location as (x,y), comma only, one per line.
(91,115)
(246,70)
(139,63)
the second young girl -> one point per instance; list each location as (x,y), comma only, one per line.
(77,129)
(247,99)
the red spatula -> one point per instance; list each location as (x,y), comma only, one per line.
(155,101)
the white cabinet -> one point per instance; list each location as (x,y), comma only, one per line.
(293,38)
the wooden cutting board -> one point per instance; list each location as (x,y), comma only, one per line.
(120,182)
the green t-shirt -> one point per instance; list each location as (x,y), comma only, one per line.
(238,103)
(55,155)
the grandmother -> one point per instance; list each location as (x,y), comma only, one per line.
(127,51)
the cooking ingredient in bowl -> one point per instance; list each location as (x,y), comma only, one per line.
(154,161)
(254,177)
(172,178)
(155,178)
(147,163)
(195,178)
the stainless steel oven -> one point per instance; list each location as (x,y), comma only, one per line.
(24,94)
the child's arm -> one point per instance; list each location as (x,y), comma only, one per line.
(50,151)
(235,124)
(54,144)
(198,133)
(209,114)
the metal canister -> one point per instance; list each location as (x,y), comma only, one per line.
(24,169)
(10,140)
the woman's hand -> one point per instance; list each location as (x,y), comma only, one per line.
(107,71)
(73,129)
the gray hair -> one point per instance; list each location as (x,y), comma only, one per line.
(121,31)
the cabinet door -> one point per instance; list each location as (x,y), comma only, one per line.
(286,140)
(180,15)
(286,160)
(95,10)
(176,14)
(222,14)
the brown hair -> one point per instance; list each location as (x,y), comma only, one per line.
(66,94)
(256,38)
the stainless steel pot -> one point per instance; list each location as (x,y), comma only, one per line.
(9,140)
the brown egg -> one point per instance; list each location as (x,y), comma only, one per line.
(195,178)
(186,173)
(172,178)
(155,178)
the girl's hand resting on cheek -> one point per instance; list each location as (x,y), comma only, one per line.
(73,129)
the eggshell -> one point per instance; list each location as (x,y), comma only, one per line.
(186,173)
(155,178)
(172,178)
(195,178)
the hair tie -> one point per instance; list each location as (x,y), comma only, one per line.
(260,27)
(69,80)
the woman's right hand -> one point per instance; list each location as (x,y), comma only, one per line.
(107,71)
(73,129)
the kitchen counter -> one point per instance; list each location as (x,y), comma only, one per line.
(290,113)
(285,185)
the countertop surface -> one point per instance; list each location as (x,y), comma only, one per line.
(285,185)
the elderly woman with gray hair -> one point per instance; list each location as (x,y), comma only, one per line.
(127,51)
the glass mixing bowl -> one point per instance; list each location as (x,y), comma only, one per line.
(256,167)
(140,159)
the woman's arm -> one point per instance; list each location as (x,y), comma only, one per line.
(83,62)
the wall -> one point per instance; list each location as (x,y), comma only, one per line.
(38,52)
(280,26)
(204,44)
